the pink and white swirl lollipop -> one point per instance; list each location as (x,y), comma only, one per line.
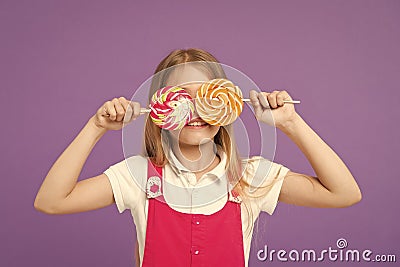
(171,108)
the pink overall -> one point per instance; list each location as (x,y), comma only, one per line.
(176,239)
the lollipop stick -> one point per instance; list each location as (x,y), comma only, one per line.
(145,110)
(284,101)
(142,111)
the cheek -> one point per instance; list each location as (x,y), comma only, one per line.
(174,134)
(214,130)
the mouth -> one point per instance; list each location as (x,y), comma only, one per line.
(196,124)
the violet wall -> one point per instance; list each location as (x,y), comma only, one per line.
(60,60)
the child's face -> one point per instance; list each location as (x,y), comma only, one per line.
(190,78)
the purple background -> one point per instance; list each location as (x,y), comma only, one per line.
(60,60)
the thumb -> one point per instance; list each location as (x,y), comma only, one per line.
(258,110)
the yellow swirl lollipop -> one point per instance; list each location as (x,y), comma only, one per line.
(219,102)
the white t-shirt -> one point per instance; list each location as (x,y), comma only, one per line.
(183,193)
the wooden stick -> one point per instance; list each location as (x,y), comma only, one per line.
(142,111)
(284,101)
(145,110)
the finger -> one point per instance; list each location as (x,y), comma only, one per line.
(128,112)
(279,99)
(110,110)
(119,109)
(254,100)
(102,111)
(263,99)
(272,99)
(136,110)
(282,95)
(132,112)
(253,97)
(126,104)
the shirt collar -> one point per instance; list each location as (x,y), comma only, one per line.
(218,171)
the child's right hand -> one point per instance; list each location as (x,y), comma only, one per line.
(112,115)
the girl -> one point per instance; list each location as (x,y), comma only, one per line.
(174,191)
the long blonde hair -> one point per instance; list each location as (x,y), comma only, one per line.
(225,136)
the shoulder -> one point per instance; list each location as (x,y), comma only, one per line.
(131,169)
(258,170)
(127,178)
(137,161)
(265,179)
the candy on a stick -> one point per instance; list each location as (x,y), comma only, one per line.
(219,102)
(171,108)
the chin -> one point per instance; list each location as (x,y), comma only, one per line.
(194,141)
(195,137)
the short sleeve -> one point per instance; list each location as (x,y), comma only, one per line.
(266,179)
(126,179)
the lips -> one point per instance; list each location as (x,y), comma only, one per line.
(197,123)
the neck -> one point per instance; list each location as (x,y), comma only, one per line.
(197,158)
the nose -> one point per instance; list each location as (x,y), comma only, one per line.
(192,91)
(195,114)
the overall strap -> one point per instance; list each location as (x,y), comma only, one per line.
(234,197)
(154,180)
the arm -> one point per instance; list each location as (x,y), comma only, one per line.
(334,185)
(60,193)
(61,181)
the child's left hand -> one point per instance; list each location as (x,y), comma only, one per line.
(270,109)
